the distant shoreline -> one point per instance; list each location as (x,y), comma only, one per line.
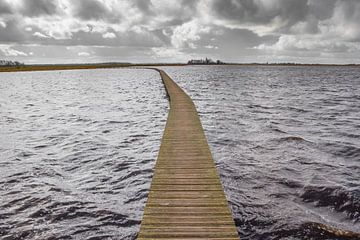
(51,67)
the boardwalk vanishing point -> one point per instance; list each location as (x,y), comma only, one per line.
(186,199)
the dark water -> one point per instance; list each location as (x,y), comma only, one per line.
(77,150)
(286,141)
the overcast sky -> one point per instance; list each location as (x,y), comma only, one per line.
(55,31)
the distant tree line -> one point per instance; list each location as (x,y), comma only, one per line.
(10,63)
(205,61)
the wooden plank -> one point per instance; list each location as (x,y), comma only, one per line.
(186,199)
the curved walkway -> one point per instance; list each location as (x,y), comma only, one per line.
(186,198)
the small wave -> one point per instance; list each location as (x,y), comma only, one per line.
(290,183)
(335,197)
(31,203)
(309,230)
(134,138)
(278,130)
(40,146)
(226,142)
(25,154)
(118,122)
(301,110)
(40,213)
(291,139)
(140,195)
(11,119)
(343,150)
(80,119)
(112,218)
(258,106)
(138,136)
(323,231)
(15,201)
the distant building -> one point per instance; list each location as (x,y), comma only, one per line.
(206,61)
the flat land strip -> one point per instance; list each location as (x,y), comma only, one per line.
(58,67)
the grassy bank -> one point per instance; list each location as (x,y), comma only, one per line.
(51,67)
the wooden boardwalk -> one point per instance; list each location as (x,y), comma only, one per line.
(186,199)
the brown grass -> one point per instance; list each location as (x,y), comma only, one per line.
(74,66)
(50,67)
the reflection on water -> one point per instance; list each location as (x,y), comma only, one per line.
(77,150)
(286,143)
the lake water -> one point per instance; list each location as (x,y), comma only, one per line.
(77,148)
(286,141)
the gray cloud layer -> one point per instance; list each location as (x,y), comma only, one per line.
(36,8)
(155,31)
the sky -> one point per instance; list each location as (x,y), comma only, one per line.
(149,31)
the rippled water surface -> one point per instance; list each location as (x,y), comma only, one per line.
(77,150)
(286,141)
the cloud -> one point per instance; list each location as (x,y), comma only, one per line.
(345,20)
(231,30)
(94,10)
(109,35)
(295,43)
(11,31)
(211,47)
(334,30)
(186,34)
(84,54)
(40,35)
(90,10)
(277,14)
(4,8)
(35,8)
(140,38)
(322,9)
(8,51)
(144,6)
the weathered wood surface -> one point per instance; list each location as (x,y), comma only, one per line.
(186,199)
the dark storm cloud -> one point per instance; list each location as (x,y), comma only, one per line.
(322,9)
(185,12)
(283,15)
(4,8)
(90,9)
(35,8)
(11,33)
(145,6)
(94,10)
(260,12)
